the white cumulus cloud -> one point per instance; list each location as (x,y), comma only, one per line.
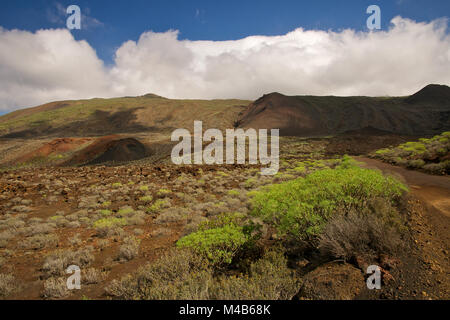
(51,65)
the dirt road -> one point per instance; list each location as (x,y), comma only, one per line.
(429,223)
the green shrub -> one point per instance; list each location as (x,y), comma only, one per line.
(417,164)
(106,204)
(233,193)
(218,245)
(146,199)
(164,192)
(300,208)
(105,212)
(125,211)
(157,206)
(109,223)
(427,154)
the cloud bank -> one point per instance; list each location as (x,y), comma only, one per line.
(51,65)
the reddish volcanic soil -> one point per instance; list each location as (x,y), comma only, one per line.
(56,146)
(430,224)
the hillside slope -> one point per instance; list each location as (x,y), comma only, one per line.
(424,113)
(149,113)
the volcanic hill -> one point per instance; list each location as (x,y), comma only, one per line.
(425,113)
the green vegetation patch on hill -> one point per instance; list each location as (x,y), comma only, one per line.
(430,155)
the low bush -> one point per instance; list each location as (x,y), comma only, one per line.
(55,288)
(430,155)
(7,285)
(268,278)
(92,276)
(221,238)
(129,249)
(177,275)
(158,205)
(39,241)
(109,223)
(219,245)
(300,209)
(365,235)
(184,275)
(56,263)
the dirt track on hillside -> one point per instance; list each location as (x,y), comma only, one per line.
(432,190)
(430,225)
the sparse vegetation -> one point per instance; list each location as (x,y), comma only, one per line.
(8,285)
(300,209)
(129,249)
(430,155)
(55,288)
(182,274)
(219,245)
(222,233)
(56,263)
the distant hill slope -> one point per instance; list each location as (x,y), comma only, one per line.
(424,113)
(148,113)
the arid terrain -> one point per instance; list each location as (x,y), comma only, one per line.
(91,183)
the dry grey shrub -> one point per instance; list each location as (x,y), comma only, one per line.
(178,274)
(14,223)
(172,215)
(75,240)
(56,263)
(7,285)
(129,249)
(161,232)
(74,224)
(39,241)
(193,224)
(137,219)
(42,228)
(55,288)
(269,278)
(7,235)
(72,217)
(181,274)
(358,235)
(92,276)
(102,243)
(34,220)
(110,231)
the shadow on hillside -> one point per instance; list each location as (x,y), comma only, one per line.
(99,124)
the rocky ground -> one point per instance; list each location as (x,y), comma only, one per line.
(113,219)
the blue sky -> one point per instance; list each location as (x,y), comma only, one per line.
(114,22)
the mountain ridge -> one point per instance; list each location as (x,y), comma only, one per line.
(426,112)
